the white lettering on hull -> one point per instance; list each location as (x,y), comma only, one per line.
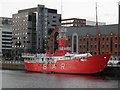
(62,65)
(53,66)
(44,66)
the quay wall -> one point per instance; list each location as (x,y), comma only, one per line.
(12,65)
(112,71)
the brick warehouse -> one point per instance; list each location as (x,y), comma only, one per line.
(84,39)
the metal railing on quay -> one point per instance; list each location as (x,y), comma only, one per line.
(115,65)
(11,62)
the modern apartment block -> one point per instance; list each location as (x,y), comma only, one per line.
(5,36)
(24,31)
(87,39)
(0,42)
(47,20)
(32,28)
(76,22)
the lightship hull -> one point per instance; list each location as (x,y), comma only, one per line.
(89,65)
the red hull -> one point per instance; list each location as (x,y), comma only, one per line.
(90,65)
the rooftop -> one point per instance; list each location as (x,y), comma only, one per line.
(104,30)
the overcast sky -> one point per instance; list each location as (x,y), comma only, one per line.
(84,9)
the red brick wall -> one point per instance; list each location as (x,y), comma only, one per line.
(104,44)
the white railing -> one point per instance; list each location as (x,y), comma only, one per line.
(11,62)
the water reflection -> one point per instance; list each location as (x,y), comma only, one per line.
(88,77)
(79,81)
(21,79)
(73,76)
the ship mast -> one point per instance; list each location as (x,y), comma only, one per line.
(97,31)
(61,8)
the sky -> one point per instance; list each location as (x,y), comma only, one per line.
(83,9)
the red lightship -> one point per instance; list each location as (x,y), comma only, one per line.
(63,61)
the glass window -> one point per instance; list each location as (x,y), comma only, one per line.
(53,20)
(103,46)
(115,45)
(80,39)
(107,45)
(91,46)
(84,39)
(28,33)
(53,25)
(54,16)
(28,41)
(103,39)
(80,46)
(95,53)
(107,38)
(91,39)
(115,53)
(84,46)
(95,46)
(95,39)
(115,38)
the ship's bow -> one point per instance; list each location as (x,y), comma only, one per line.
(103,60)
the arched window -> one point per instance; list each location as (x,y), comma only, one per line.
(75,43)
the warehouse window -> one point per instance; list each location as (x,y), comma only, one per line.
(115,45)
(91,39)
(107,38)
(103,39)
(107,45)
(115,53)
(95,39)
(115,38)
(95,46)
(102,46)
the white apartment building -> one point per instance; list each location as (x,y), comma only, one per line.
(5,36)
